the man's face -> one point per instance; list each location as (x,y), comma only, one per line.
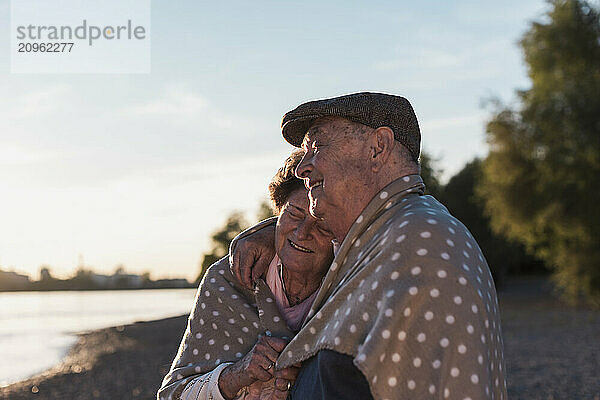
(336,170)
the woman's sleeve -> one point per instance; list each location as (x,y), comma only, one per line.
(205,387)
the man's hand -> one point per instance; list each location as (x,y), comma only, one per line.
(257,365)
(252,255)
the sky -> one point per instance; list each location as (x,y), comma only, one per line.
(139,169)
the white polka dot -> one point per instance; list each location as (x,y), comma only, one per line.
(445,256)
(403,224)
(434,292)
(197,369)
(462,281)
(383,195)
(359,219)
(389,312)
(238,355)
(276,319)
(431,389)
(446,393)
(417,362)
(407,311)
(406,179)
(203,305)
(365,316)
(451,230)
(474,378)
(415,270)
(290,354)
(207,356)
(401,335)
(421,337)
(385,334)
(195,352)
(436,364)
(392,381)
(454,372)
(457,300)
(337,341)
(474,308)
(395,256)
(207,293)
(422,252)
(449,242)
(211,342)
(450,319)
(374,285)
(442,274)
(400,238)
(221,272)
(357,243)
(480,359)
(470,329)
(361,357)
(395,275)
(390,293)
(428,315)
(198,336)
(382,357)
(411,384)
(352,328)
(425,234)
(413,290)
(396,357)
(334,266)
(431,221)
(444,342)
(462,349)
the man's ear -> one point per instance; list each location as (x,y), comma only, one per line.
(382,144)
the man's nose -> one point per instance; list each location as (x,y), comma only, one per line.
(304,167)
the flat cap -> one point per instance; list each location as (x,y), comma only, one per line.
(370,109)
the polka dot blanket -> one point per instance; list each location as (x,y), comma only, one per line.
(409,296)
(223,326)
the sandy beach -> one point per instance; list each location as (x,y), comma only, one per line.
(552,352)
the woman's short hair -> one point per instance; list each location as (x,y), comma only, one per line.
(284,183)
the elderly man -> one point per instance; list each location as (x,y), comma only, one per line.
(408,307)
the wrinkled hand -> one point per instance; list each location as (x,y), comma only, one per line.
(252,255)
(257,365)
(276,388)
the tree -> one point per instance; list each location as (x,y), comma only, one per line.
(503,256)
(430,174)
(222,237)
(543,168)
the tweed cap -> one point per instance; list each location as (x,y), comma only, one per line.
(371,109)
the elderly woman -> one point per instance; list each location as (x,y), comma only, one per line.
(234,336)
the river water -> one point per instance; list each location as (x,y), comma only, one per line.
(37,328)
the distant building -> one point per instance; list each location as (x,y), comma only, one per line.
(10,280)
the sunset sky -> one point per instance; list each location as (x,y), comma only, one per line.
(138,169)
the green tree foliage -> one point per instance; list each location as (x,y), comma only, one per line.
(504,257)
(222,237)
(542,172)
(430,174)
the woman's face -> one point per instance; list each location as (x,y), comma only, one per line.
(301,241)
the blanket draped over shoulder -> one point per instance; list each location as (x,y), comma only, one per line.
(224,325)
(411,298)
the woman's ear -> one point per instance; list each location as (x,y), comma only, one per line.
(382,144)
